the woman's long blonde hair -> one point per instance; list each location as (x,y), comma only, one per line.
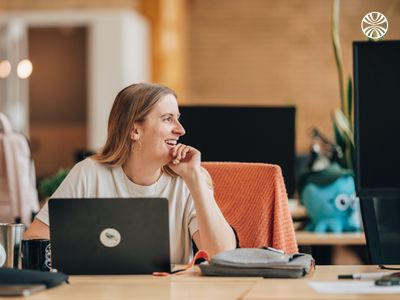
(131,105)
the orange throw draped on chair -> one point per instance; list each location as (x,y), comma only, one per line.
(253,199)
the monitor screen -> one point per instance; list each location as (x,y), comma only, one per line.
(377,117)
(382,229)
(243,134)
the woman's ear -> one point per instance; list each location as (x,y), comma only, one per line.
(135,134)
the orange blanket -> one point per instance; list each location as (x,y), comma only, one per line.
(253,199)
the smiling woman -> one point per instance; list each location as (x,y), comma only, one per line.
(142,158)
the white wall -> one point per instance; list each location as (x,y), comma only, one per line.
(122,60)
(14,91)
(119,54)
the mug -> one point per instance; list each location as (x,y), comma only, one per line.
(36,254)
(10,244)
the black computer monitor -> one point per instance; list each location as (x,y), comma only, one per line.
(243,134)
(382,229)
(377,118)
(377,139)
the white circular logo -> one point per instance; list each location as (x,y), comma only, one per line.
(3,256)
(110,237)
(374,25)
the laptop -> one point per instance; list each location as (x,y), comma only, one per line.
(109,235)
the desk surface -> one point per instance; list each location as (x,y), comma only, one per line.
(193,286)
(299,289)
(310,238)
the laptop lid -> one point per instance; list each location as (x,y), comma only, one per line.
(109,235)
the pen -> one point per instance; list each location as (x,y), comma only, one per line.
(369,276)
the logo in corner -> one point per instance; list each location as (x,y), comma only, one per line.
(374,25)
(110,237)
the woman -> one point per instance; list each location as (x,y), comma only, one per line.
(142,158)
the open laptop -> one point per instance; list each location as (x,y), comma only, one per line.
(109,235)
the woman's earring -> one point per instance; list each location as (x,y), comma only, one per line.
(138,145)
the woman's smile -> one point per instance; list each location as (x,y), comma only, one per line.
(171,143)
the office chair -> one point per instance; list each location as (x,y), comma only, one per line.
(253,199)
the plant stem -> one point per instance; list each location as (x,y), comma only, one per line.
(337,52)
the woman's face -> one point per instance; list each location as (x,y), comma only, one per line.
(160,131)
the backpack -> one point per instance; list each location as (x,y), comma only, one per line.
(18,194)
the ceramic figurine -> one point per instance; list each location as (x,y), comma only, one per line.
(329,197)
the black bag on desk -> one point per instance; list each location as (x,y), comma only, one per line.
(17,276)
(255,262)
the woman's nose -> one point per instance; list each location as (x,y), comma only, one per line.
(179,129)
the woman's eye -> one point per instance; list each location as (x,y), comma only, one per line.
(168,120)
(342,202)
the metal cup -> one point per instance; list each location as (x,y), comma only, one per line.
(10,244)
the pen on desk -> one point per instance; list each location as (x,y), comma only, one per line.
(368,276)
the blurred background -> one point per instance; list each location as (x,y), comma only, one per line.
(224,52)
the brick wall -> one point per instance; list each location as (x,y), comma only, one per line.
(260,52)
(274,53)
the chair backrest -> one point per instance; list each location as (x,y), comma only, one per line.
(253,199)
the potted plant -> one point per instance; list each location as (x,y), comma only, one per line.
(49,185)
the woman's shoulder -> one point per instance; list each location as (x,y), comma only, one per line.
(85,179)
(90,166)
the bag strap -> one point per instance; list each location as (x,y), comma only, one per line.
(5,124)
(199,254)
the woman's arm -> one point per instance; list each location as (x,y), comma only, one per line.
(214,234)
(37,230)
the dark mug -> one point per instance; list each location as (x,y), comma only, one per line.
(36,254)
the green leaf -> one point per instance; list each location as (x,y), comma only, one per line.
(48,185)
(350,102)
(344,138)
(343,125)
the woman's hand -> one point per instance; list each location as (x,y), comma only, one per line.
(185,160)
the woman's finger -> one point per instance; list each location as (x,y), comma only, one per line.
(185,151)
(178,151)
(175,149)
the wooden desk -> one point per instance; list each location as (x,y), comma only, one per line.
(306,238)
(193,286)
(299,289)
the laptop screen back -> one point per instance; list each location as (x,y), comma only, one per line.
(110,236)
